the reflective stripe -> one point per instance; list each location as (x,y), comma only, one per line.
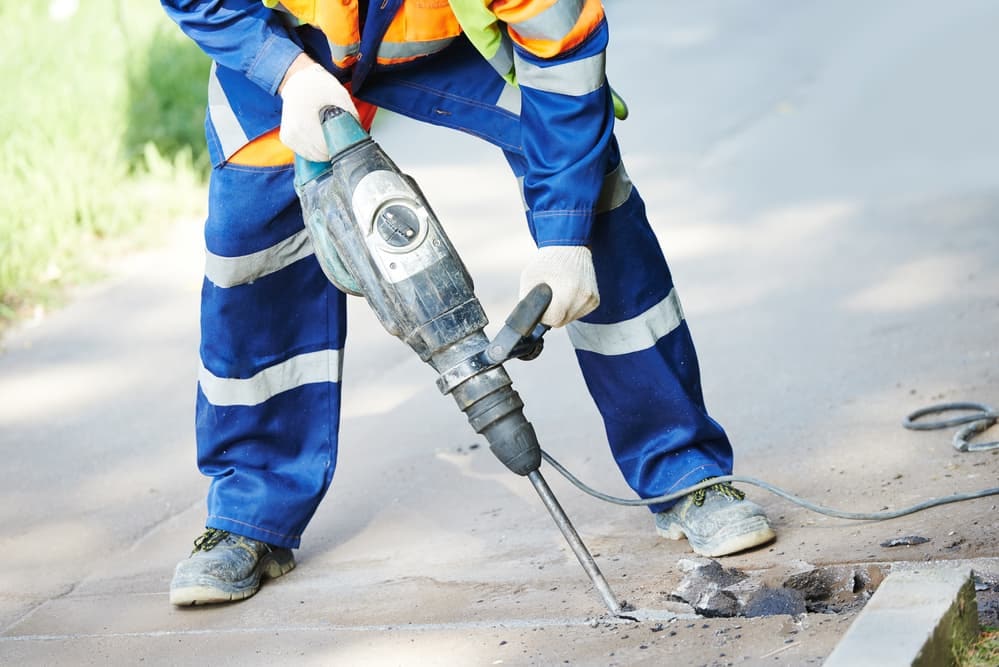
(341,52)
(227,128)
(403,50)
(502,60)
(614,192)
(233,271)
(638,333)
(559,25)
(509,99)
(523,195)
(573,78)
(482,29)
(308,368)
(553,23)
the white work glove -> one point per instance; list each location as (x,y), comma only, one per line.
(305,93)
(568,270)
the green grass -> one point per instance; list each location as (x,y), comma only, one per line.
(101,139)
(984,652)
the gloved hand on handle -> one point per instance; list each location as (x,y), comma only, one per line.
(306,89)
(568,270)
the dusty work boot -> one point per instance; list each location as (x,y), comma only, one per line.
(717,521)
(224,567)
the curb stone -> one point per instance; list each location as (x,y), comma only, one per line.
(915,618)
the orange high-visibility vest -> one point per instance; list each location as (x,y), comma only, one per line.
(419,28)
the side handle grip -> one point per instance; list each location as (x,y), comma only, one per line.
(521,336)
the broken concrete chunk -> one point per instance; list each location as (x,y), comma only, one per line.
(773,601)
(703,588)
(711,570)
(718,604)
(907,541)
(834,589)
(714,591)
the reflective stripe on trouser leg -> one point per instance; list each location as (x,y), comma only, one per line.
(637,355)
(639,362)
(649,396)
(272,335)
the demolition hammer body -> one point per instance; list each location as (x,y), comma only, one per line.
(376,236)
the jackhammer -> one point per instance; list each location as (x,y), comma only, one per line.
(376,236)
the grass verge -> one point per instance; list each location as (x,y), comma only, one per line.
(983,652)
(100,140)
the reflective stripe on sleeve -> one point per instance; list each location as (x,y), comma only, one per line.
(576,78)
(227,128)
(509,99)
(549,28)
(308,368)
(401,51)
(342,52)
(614,192)
(233,271)
(553,23)
(638,333)
(502,60)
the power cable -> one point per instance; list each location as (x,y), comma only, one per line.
(983,418)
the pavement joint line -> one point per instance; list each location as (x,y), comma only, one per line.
(415,627)
(30,611)
(71,587)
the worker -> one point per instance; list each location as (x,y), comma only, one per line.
(525,75)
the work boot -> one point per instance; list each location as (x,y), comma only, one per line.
(224,567)
(717,521)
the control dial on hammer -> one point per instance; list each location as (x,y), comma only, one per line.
(398,225)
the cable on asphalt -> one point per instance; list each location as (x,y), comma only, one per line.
(983,417)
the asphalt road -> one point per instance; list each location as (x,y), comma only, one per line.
(824,178)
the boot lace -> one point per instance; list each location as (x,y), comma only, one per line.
(209,539)
(723,488)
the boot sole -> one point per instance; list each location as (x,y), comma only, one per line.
(214,591)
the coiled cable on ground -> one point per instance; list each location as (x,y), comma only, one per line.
(983,417)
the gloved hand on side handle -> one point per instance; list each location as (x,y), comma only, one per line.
(568,270)
(307,88)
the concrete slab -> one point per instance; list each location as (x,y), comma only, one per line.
(531,642)
(916,618)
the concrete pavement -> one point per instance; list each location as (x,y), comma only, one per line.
(825,182)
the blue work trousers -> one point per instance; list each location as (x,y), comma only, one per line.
(273,328)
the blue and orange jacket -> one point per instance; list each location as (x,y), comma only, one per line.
(552,49)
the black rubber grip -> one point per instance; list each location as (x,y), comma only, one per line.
(528,311)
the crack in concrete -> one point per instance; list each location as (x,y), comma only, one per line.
(70,588)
